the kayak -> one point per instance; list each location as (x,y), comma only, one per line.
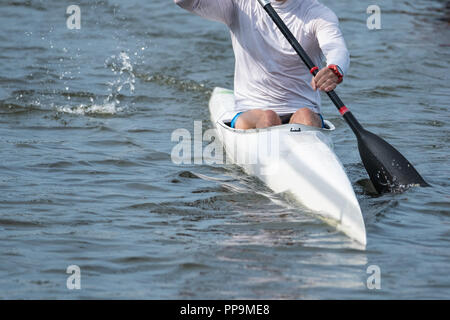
(295,159)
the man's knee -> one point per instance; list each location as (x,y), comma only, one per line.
(307,117)
(304,112)
(268,118)
(257,119)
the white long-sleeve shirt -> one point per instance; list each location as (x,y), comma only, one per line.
(268,72)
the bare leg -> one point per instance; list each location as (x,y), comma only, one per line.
(307,117)
(257,119)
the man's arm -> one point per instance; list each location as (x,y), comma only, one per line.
(217,10)
(326,29)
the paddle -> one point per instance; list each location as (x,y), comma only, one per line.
(388,170)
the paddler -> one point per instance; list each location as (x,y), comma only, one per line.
(270,80)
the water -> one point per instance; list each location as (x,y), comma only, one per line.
(86,176)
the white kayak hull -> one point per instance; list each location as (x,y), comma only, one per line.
(292,158)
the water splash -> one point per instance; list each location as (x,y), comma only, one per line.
(122,67)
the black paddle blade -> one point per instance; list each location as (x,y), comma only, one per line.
(388,170)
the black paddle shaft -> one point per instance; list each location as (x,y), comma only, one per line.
(353,123)
(388,170)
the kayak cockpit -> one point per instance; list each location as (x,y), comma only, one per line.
(285,120)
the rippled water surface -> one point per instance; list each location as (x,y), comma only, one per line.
(86,176)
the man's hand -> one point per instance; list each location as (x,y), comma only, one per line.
(325,80)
